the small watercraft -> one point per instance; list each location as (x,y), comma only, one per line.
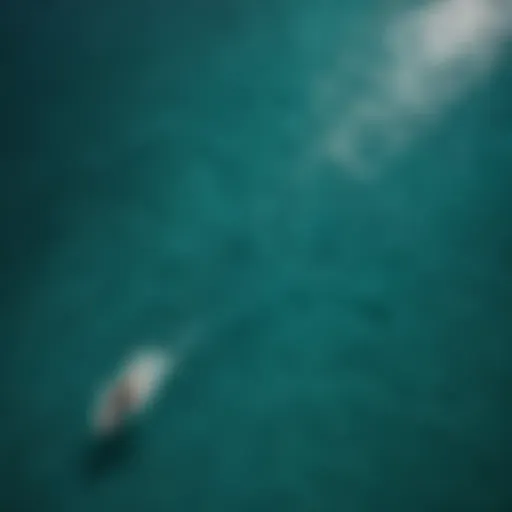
(132,391)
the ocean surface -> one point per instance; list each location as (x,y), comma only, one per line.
(320,190)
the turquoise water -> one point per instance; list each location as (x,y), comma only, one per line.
(161,169)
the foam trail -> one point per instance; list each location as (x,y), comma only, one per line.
(431,57)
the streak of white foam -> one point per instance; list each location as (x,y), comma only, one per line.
(147,371)
(431,57)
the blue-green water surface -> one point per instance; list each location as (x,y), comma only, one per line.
(161,168)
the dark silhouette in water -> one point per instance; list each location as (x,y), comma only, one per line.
(106,454)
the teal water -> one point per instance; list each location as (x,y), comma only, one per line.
(161,169)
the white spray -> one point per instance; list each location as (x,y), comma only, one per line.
(138,383)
